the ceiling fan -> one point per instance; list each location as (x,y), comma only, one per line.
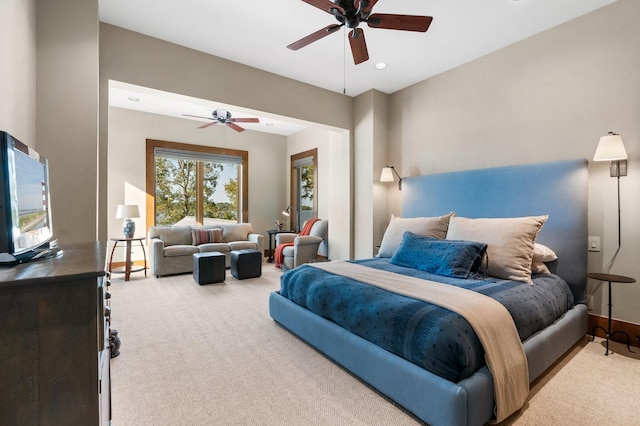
(222,116)
(351,13)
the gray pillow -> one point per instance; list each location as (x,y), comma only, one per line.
(435,227)
(236,231)
(510,242)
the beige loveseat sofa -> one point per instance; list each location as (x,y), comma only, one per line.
(171,247)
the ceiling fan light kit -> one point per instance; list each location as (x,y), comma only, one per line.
(350,13)
(221,114)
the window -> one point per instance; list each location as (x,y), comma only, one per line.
(304,175)
(193,184)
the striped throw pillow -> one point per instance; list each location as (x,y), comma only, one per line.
(204,236)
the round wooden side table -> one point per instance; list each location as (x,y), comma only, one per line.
(610,278)
(128,269)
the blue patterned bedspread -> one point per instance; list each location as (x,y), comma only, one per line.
(429,336)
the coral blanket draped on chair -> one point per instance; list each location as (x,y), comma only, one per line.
(306,229)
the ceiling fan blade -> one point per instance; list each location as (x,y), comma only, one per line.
(325,5)
(400,22)
(367,8)
(245,120)
(204,126)
(358,46)
(313,37)
(234,126)
(197,116)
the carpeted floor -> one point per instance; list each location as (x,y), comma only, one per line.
(211,355)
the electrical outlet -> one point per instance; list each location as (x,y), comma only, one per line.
(594,243)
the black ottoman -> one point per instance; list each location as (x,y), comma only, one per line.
(246,263)
(208,267)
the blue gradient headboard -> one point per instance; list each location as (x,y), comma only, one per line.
(558,189)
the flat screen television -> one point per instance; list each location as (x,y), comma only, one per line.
(26,232)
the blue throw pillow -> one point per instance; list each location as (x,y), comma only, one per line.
(451,258)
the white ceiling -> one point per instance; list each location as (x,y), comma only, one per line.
(256,33)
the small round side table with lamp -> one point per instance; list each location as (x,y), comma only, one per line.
(610,278)
(127,212)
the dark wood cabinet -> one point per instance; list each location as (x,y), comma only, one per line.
(54,340)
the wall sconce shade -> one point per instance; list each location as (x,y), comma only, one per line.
(126,212)
(387,176)
(611,148)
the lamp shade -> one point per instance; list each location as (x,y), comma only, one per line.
(126,211)
(386,175)
(610,148)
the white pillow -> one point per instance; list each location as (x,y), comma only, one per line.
(542,253)
(435,227)
(510,242)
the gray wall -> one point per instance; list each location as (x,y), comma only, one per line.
(370,152)
(18,73)
(546,98)
(52,46)
(67,112)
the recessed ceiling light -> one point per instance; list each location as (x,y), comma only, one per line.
(133,99)
(381,65)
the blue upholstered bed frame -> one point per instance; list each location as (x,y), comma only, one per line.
(558,189)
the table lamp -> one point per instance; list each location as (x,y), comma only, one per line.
(126,212)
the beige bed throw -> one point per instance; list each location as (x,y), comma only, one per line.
(490,320)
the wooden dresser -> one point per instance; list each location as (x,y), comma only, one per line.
(54,340)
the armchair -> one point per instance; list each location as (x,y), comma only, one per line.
(303,248)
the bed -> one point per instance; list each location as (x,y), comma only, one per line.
(557,190)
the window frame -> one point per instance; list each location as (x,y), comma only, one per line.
(243,185)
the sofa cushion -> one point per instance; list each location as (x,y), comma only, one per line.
(221,247)
(171,235)
(180,250)
(236,231)
(242,245)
